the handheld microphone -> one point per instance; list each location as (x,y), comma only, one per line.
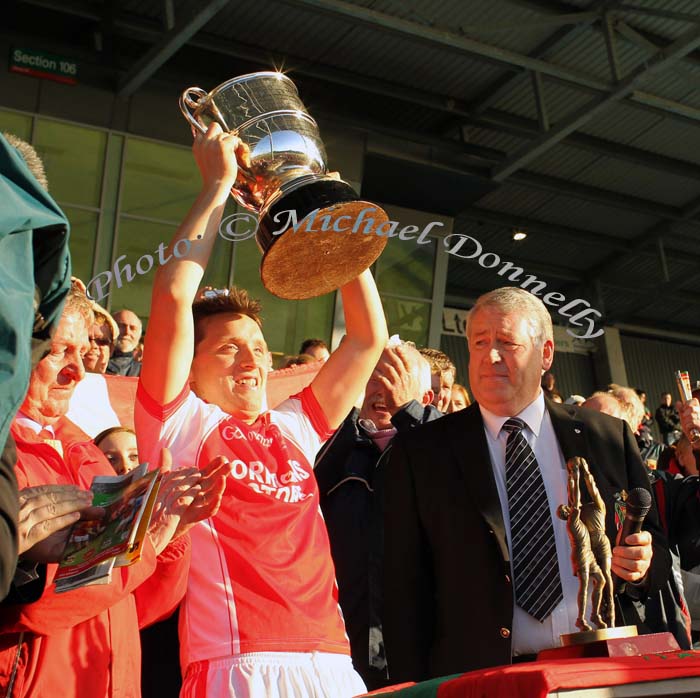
(638,505)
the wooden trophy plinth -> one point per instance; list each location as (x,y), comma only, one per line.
(610,642)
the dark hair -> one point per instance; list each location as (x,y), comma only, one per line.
(108,432)
(236,302)
(312,344)
(299,360)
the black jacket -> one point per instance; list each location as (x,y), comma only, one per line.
(667,418)
(448,596)
(349,471)
(123,364)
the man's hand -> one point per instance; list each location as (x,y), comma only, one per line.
(631,562)
(393,371)
(186,496)
(690,420)
(46,514)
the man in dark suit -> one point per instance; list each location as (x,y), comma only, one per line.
(477,565)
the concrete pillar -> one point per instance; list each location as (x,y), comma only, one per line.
(609,361)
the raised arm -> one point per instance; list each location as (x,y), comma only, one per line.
(169,345)
(345,374)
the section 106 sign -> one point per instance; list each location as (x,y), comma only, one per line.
(39,64)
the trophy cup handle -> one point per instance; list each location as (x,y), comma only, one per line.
(187,103)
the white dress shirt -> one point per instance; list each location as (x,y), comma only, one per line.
(37,428)
(528,635)
(28,422)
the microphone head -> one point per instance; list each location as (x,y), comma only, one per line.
(638,502)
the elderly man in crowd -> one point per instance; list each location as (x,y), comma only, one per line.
(605,403)
(85,643)
(123,361)
(350,475)
(261,615)
(34,280)
(477,564)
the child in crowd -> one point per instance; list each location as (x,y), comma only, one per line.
(119,446)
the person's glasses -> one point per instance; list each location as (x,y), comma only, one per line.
(100,341)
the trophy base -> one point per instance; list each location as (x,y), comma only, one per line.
(317,238)
(610,643)
(587,636)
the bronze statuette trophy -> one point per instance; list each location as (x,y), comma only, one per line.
(591,558)
(284,180)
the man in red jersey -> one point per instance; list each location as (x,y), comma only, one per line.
(261,614)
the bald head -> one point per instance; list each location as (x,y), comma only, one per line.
(605,403)
(129,330)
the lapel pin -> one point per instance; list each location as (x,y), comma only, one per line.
(577,431)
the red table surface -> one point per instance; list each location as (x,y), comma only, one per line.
(537,679)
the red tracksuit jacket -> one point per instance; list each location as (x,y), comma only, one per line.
(84,643)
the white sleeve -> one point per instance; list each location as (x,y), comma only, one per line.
(180,426)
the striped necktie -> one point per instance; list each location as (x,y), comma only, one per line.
(535,565)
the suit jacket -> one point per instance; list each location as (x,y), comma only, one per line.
(448,596)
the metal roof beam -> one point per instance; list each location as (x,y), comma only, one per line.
(552,7)
(611,47)
(171,42)
(504,122)
(597,195)
(664,14)
(555,41)
(440,37)
(540,102)
(649,236)
(688,42)
(499,120)
(559,232)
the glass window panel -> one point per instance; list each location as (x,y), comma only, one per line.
(74,159)
(19,125)
(286,323)
(217,272)
(159,180)
(140,240)
(83,229)
(409,319)
(406,269)
(137,240)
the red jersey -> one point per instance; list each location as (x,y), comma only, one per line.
(262,577)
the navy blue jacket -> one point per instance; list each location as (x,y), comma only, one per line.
(349,471)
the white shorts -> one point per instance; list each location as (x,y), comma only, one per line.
(273,675)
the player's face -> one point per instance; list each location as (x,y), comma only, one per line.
(505,367)
(230,365)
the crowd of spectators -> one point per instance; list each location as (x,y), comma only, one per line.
(313,549)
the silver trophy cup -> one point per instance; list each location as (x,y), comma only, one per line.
(283,178)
